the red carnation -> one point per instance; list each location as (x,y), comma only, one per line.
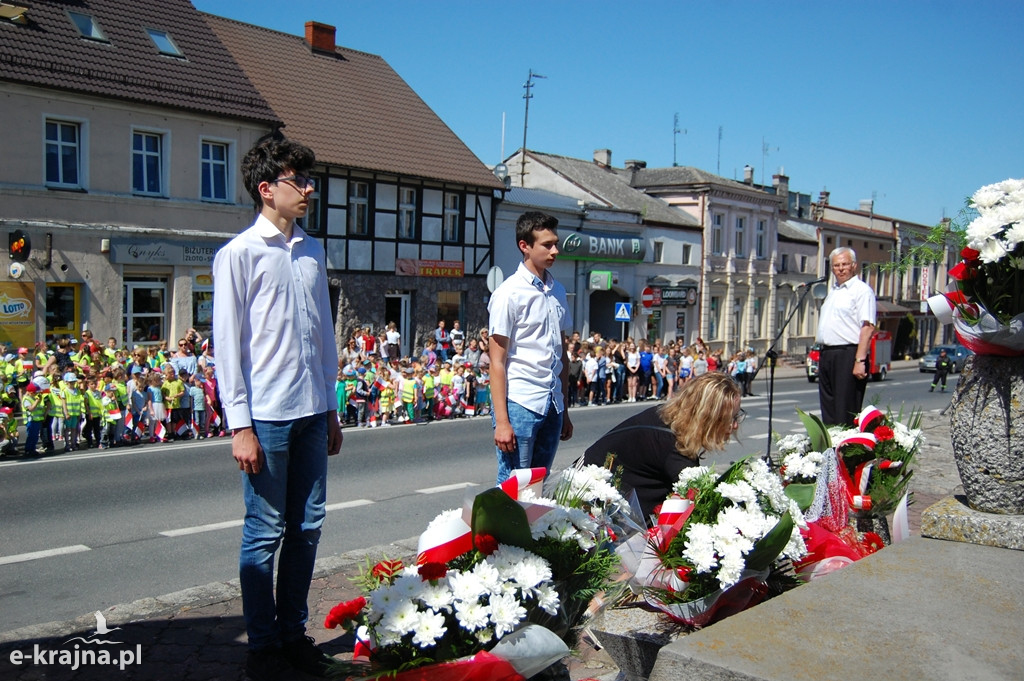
(968,254)
(963,270)
(485,544)
(430,572)
(883,433)
(683,573)
(691,493)
(344,612)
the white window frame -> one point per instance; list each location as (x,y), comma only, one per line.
(163,156)
(714,318)
(406,212)
(450,232)
(227,164)
(761,239)
(687,252)
(358,206)
(659,252)
(741,237)
(717,228)
(81,156)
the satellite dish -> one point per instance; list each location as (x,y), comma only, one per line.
(494,278)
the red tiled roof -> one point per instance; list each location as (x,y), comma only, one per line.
(49,52)
(350,107)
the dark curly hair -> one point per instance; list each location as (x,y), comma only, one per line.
(271,156)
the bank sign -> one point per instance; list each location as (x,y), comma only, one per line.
(602,247)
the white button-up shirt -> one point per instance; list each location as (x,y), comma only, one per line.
(532,314)
(276,355)
(844,312)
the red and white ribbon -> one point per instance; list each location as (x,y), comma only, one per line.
(524,478)
(864,439)
(442,542)
(869,415)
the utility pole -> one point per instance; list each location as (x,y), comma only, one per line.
(526,117)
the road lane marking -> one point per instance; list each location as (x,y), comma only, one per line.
(202,528)
(446,488)
(35,555)
(349,504)
(227,524)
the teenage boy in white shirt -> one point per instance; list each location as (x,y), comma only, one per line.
(529,317)
(277,366)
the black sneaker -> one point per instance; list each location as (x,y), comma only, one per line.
(268,664)
(305,656)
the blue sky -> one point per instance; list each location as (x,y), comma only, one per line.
(917,103)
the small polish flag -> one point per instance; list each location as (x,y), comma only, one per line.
(159,431)
(180,428)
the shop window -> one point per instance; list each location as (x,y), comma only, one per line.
(63,305)
(145,310)
(449,307)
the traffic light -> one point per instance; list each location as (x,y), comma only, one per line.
(19,246)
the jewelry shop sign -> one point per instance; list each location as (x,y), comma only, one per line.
(139,252)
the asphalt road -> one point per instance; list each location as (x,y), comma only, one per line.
(85,531)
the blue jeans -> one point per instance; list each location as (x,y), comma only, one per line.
(284,507)
(537,437)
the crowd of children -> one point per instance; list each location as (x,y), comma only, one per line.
(77,394)
(607,371)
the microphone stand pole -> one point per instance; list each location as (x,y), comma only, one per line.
(769,358)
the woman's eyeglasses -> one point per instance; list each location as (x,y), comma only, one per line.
(738,417)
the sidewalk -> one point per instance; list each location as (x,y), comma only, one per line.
(199,634)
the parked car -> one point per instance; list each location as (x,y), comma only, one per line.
(957,353)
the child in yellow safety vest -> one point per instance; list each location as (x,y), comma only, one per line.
(33,406)
(93,427)
(72,406)
(411,391)
(111,416)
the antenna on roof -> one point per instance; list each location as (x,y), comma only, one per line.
(526,117)
(675,133)
(718,164)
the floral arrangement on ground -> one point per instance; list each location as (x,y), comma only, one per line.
(500,594)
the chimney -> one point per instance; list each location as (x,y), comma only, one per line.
(603,157)
(320,37)
(823,197)
(635,165)
(781,184)
(748,174)
(867,205)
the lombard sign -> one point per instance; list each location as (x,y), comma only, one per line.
(611,248)
(139,252)
(680,296)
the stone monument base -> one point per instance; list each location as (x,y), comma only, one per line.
(952,519)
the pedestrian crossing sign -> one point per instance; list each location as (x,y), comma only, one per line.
(623,312)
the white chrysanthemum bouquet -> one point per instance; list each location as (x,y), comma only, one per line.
(718,535)
(488,575)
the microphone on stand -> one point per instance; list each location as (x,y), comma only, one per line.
(820,280)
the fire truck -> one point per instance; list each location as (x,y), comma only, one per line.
(879,357)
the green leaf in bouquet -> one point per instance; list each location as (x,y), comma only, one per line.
(497,514)
(801,493)
(768,547)
(816,430)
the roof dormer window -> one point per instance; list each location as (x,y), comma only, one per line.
(87,26)
(163,42)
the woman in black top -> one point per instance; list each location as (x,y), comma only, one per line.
(652,447)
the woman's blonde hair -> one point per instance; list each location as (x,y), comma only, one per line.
(702,414)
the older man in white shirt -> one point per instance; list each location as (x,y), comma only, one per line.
(845,328)
(529,317)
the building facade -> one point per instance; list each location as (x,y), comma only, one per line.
(130,126)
